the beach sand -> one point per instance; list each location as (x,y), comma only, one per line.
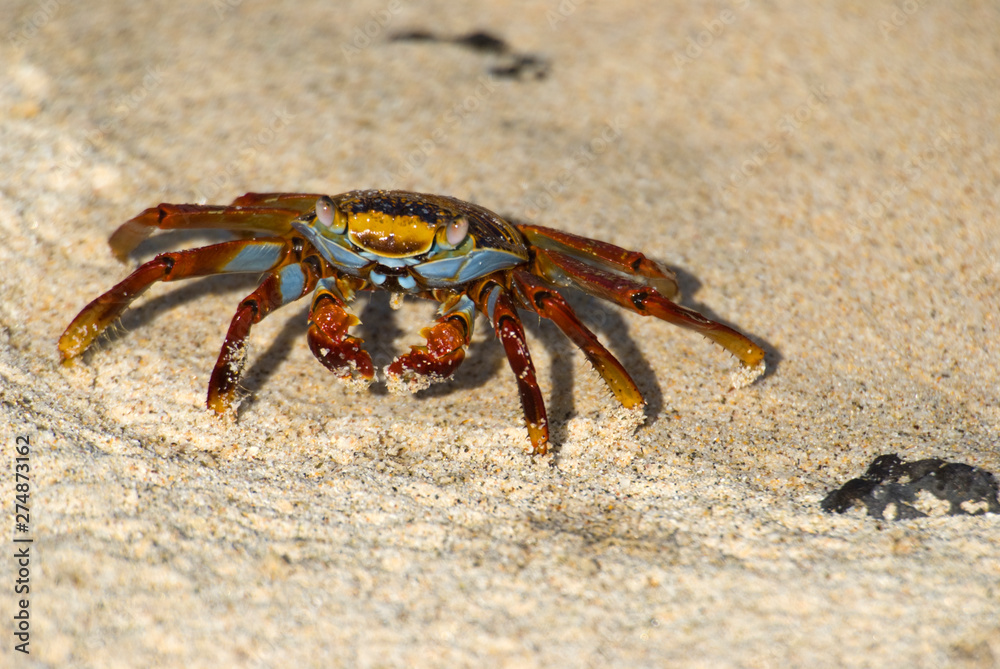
(825,179)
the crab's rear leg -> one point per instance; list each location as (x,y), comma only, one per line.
(605,255)
(561,268)
(300,202)
(329,341)
(279,287)
(541,298)
(444,352)
(227,257)
(492,300)
(275,219)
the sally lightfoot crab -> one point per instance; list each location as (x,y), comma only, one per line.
(462,256)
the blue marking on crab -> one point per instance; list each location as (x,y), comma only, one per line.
(292,281)
(385,261)
(460,268)
(463,305)
(330,249)
(330,285)
(464,268)
(491,301)
(256,258)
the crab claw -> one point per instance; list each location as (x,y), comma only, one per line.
(437,361)
(339,352)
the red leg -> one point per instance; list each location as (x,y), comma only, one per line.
(444,352)
(550,304)
(494,301)
(610,257)
(339,352)
(235,256)
(131,233)
(646,301)
(278,288)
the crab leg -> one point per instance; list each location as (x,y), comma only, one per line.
(444,352)
(496,303)
(278,288)
(131,233)
(550,304)
(227,257)
(608,256)
(557,267)
(300,202)
(339,352)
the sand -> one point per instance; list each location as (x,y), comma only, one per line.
(824,179)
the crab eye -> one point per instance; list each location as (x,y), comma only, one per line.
(457,231)
(325,211)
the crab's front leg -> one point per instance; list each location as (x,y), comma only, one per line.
(445,349)
(494,301)
(329,341)
(247,214)
(224,258)
(278,288)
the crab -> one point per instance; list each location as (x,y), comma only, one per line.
(464,257)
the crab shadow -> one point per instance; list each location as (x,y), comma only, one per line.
(689,285)
(485,361)
(381,332)
(383,337)
(150,310)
